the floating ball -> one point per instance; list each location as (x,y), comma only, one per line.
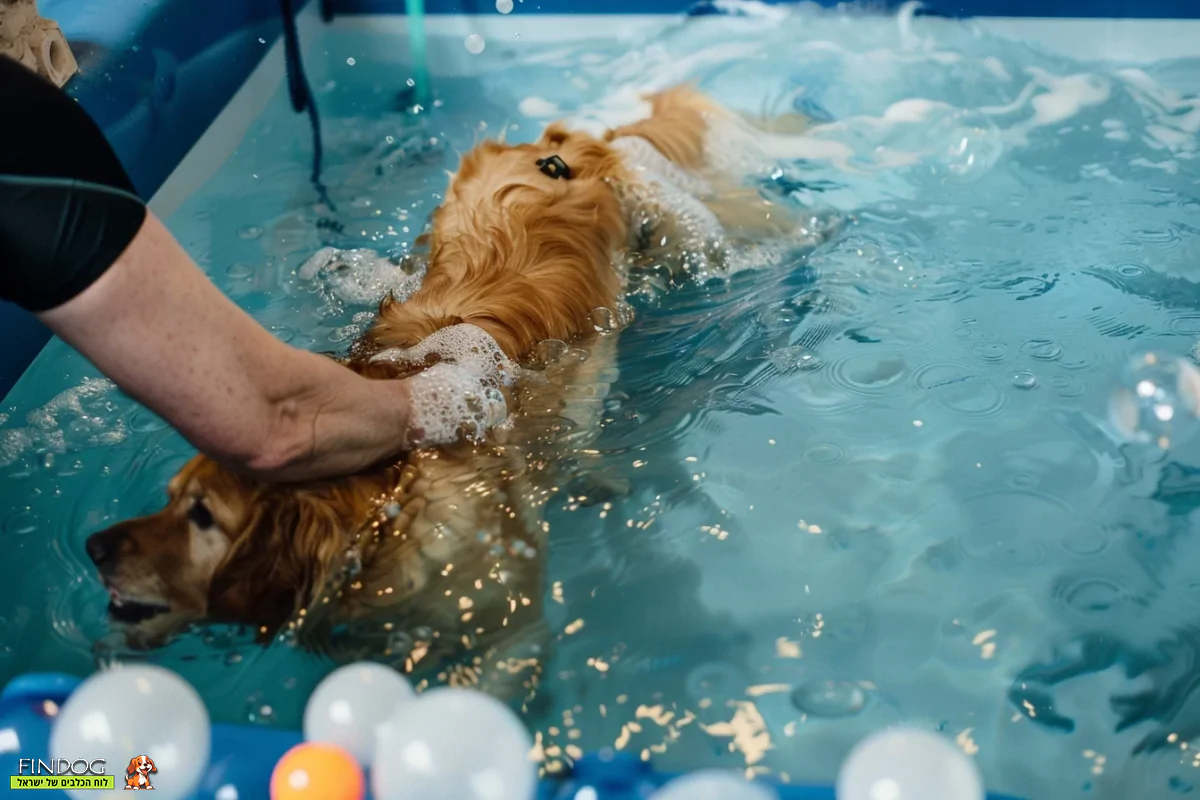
(350,703)
(454,744)
(317,771)
(713,785)
(906,764)
(132,711)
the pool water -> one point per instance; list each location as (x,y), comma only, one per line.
(875,483)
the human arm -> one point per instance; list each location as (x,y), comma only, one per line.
(156,325)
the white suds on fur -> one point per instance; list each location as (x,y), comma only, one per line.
(461,393)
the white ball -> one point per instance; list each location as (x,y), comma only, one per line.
(350,703)
(130,711)
(713,785)
(454,744)
(475,44)
(504,6)
(907,764)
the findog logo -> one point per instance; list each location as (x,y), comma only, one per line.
(137,774)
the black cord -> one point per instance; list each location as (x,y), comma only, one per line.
(301,93)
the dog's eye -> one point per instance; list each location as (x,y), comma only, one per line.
(200,516)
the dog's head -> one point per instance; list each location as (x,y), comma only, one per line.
(230,548)
(518,248)
(143,765)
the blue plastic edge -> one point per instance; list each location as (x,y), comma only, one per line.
(154,74)
(1107,9)
(243,756)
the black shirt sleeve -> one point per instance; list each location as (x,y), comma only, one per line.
(67,208)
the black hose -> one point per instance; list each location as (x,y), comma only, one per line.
(300,92)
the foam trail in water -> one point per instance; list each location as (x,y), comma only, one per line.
(66,422)
(361,277)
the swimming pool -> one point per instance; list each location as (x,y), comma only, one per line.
(874,482)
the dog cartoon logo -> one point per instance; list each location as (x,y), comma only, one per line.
(137,774)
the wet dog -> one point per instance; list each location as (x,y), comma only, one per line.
(441,556)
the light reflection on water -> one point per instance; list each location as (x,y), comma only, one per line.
(872,483)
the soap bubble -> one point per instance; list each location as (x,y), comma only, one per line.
(348,705)
(454,744)
(130,711)
(475,44)
(504,6)
(1158,402)
(907,764)
(713,785)
(967,146)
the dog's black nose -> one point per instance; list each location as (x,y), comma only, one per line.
(101,547)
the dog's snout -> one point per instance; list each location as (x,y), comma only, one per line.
(102,547)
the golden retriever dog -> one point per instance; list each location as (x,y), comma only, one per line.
(439,558)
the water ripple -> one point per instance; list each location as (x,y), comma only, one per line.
(960,388)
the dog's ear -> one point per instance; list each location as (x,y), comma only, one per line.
(132,768)
(153,767)
(283,557)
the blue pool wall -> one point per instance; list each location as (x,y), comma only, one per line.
(156,73)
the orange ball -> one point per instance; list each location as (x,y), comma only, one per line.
(317,771)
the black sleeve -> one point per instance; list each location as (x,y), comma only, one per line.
(67,208)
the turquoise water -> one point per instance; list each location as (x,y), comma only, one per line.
(874,483)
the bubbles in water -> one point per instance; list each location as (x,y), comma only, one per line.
(830,699)
(969,145)
(904,763)
(474,44)
(504,6)
(1158,402)
(249,232)
(1023,380)
(239,271)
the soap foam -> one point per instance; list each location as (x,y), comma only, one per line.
(76,418)
(361,277)
(448,402)
(460,395)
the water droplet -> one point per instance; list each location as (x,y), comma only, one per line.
(474,44)
(282,332)
(504,6)
(830,699)
(993,352)
(1023,380)
(239,271)
(550,351)
(794,358)
(1042,350)
(604,320)
(22,523)
(144,421)
(399,644)
(968,145)
(249,232)
(824,453)
(353,563)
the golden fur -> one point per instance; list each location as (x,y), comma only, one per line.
(518,254)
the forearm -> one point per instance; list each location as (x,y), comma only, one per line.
(237,393)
